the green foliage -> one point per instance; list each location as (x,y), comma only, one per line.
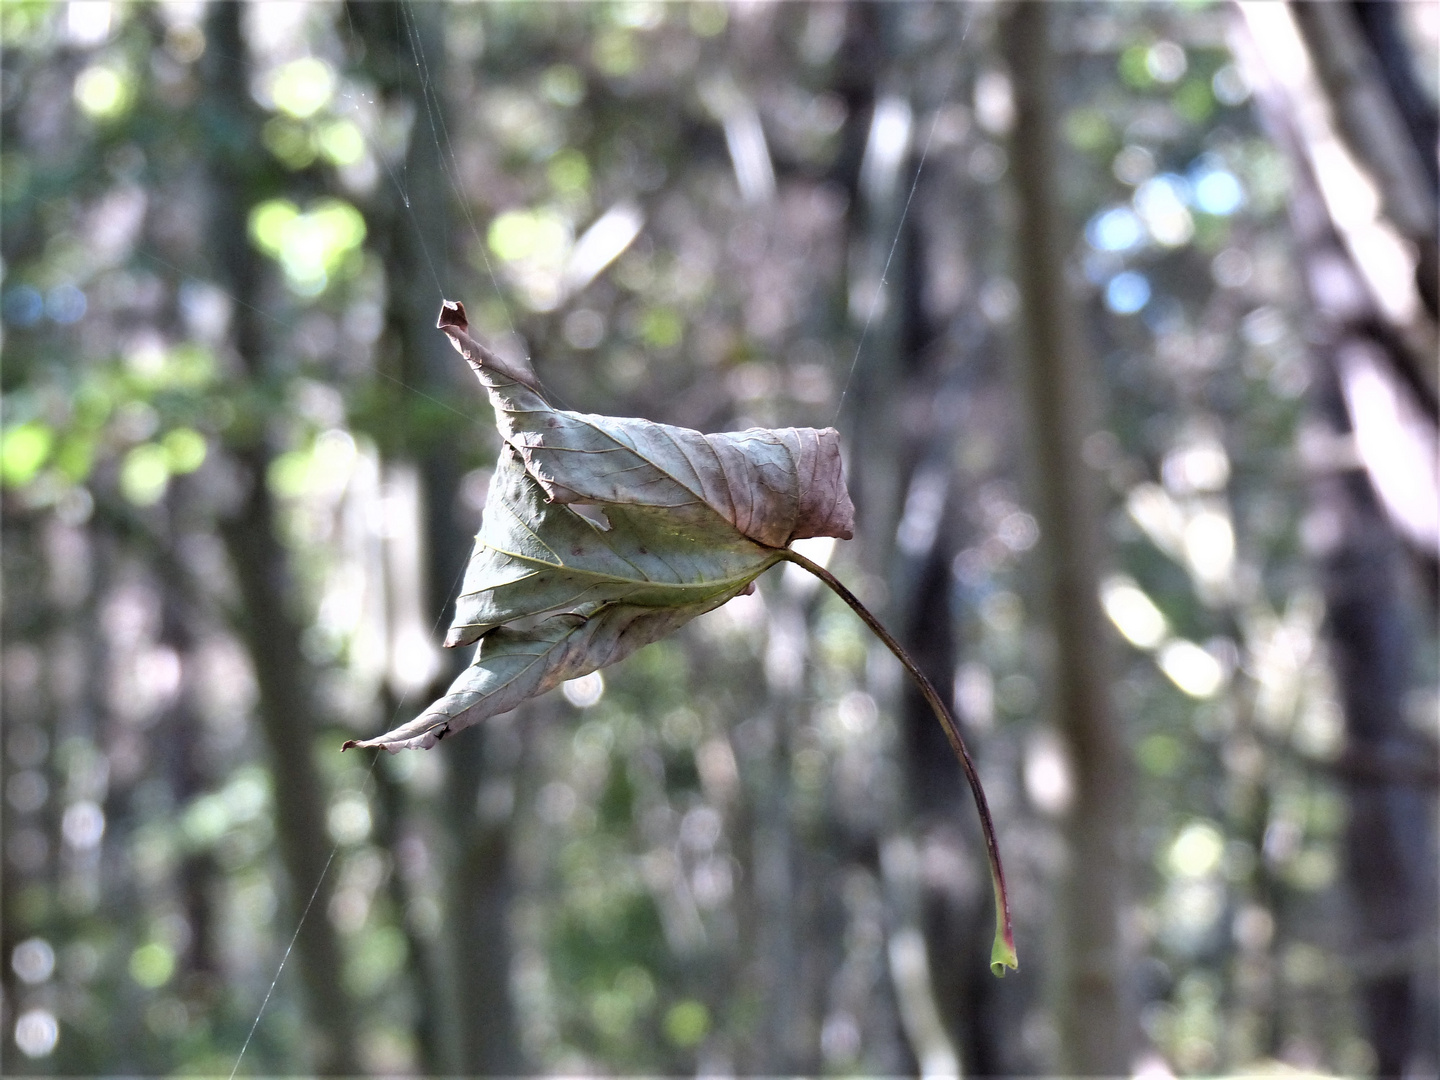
(25,448)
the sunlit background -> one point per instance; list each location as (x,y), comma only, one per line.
(241,471)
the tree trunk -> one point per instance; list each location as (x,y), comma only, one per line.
(1389,839)
(270,629)
(478,912)
(436,1039)
(879,464)
(1092,1004)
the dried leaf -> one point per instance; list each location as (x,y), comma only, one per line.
(693,520)
(676,524)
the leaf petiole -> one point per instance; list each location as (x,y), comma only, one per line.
(1002,954)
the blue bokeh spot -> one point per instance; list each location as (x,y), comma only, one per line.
(1127,293)
(23,306)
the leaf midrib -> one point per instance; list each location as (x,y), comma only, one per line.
(709,583)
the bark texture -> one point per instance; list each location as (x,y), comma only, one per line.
(1092,1004)
(270,627)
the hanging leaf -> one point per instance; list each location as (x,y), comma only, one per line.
(601,535)
(689,521)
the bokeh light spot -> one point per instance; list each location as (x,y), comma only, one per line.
(687,1023)
(23,450)
(1127,293)
(349,818)
(1118,229)
(83,825)
(102,92)
(152,965)
(1197,850)
(584,691)
(303,87)
(33,960)
(36,1033)
(145,474)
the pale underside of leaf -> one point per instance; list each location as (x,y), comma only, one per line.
(512,666)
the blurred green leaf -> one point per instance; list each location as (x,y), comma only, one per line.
(309,246)
(303,87)
(1134,67)
(24,450)
(687,1023)
(1194,100)
(145,474)
(184,450)
(152,965)
(104,91)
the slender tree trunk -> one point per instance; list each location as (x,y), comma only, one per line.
(198,871)
(272,637)
(435,1037)
(1389,838)
(957,930)
(1093,1006)
(789,1028)
(880,462)
(902,459)
(953,910)
(270,628)
(479,898)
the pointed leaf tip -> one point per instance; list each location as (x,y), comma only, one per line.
(452,313)
(485,363)
(513,665)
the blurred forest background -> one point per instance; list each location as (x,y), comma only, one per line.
(1137,386)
